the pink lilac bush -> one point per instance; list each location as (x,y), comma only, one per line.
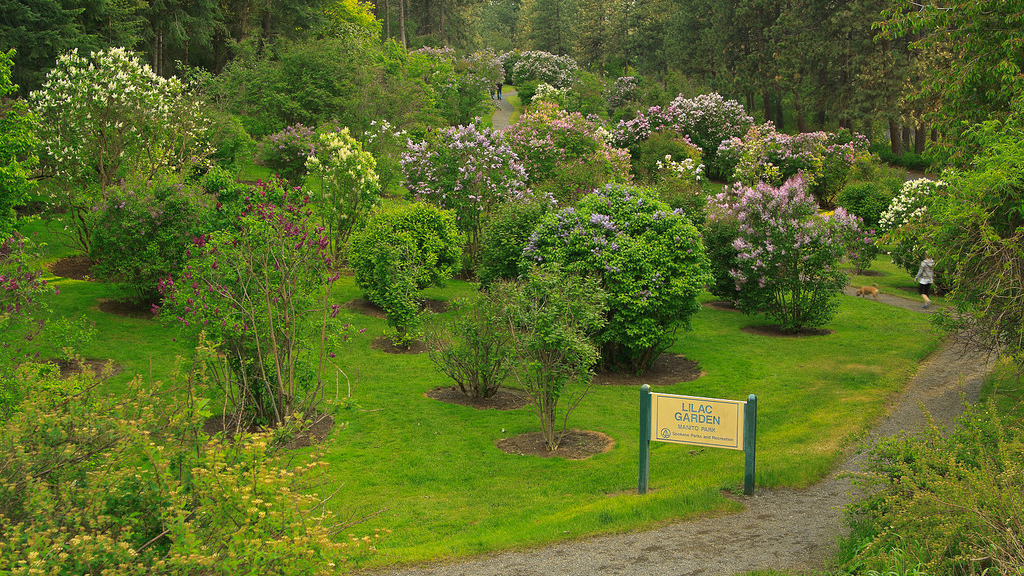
(765,155)
(566,151)
(707,120)
(787,254)
(285,152)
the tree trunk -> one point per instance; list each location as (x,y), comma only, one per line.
(387,19)
(441,9)
(401,22)
(895,145)
(821,119)
(801,123)
(766,98)
(780,119)
(920,135)
(905,137)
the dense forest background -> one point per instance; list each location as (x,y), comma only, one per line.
(804,64)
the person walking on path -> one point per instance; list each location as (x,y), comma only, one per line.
(925,278)
(499,90)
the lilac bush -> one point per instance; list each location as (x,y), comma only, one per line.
(262,293)
(285,152)
(540,66)
(787,254)
(564,153)
(647,257)
(624,92)
(765,155)
(707,120)
(467,169)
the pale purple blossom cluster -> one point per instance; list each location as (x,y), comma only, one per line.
(707,119)
(464,168)
(783,240)
(623,92)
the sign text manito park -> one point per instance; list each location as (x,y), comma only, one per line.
(709,422)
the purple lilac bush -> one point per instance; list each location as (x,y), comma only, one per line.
(285,152)
(467,169)
(787,254)
(647,257)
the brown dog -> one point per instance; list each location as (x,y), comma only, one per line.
(866,291)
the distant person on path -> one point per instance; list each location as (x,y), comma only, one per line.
(499,90)
(925,278)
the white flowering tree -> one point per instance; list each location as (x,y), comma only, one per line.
(349,187)
(107,117)
(900,223)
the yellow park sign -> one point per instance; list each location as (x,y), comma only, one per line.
(694,420)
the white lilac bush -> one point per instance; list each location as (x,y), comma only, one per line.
(897,223)
(624,92)
(545,67)
(107,117)
(707,120)
(786,252)
(647,257)
(349,187)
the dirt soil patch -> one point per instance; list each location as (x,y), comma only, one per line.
(667,370)
(384,344)
(503,399)
(721,306)
(367,308)
(100,367)
(74,267)
(575,445)
(140,310)
(776,331)
(230,424)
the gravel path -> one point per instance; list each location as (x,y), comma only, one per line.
(502,116)
(779,529)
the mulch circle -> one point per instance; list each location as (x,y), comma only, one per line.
(98,366)
(776,331)
(367,308)
(667,370)
(721,306)
(383,343)
(73,267)
(140,311)
(230,423)
(503,399)
(575,445)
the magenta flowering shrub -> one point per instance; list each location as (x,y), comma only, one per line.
(707,120)
(285,152)
(466,169)
(646,257)
(564,153)
(787,254)
(765,155)
(262,293)
(539,66)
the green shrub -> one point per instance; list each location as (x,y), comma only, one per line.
(285,152)
(526,91)
(401,251)
(128,484)
(231,143)
(648,258)
(473,347)
(141,234)
(953,504)
(505,236)
(867,200)
(647,155)
(552,318)
(719,234)
(908,160)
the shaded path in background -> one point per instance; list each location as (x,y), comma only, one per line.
(782,529)
(503,115)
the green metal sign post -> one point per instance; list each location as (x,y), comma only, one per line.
(711,422)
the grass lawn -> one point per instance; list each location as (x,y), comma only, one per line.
(431,471)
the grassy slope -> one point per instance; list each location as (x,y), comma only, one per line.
(446,490)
